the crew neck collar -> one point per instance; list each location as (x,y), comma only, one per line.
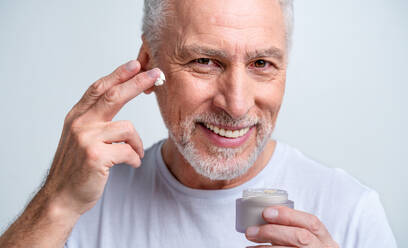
(255,182)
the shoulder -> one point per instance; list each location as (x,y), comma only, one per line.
(314,173)
(351,210)
(316,185)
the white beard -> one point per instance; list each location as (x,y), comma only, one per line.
(220,163)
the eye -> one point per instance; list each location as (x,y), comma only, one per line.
(205,65)
(260,63)
(204,61)
(262,66)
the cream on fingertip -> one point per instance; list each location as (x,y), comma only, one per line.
(160,80)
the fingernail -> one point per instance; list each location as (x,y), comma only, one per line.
(252,231)
(132,65)
(154,73)
(270,213)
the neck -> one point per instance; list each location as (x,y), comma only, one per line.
(186,174)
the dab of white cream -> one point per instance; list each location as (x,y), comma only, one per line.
(160,80)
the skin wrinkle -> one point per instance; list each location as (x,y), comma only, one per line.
(183,51)
(234,20)
(265,53)
(188,51)
(230,94)
(169,14)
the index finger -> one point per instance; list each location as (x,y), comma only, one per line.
(290,217)
(113,100)
(97,89)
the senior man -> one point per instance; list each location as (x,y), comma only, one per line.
(225,63)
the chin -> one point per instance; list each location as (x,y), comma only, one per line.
(217,160)
(220,163)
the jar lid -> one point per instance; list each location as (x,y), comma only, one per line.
(277,194)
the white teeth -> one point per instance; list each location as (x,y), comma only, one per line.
(227,133)
(241,132)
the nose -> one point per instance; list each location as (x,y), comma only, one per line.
(235,95)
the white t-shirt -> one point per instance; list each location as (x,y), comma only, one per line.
(148,207)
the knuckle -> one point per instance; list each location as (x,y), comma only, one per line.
(80,135)
(119,74)
(92,154)
(315,224)
(137,81)
(140,82)
(267,230)
(127,127)
(285,214)
(81,138)
(98,88)
(136,161)
(112,95)
(129,152)
(303,237)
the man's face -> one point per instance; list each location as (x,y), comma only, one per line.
(225,66)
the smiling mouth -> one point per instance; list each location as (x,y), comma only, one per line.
(227,133)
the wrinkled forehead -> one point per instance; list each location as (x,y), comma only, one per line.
(233,25)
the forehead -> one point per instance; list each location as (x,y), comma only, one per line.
(231,25)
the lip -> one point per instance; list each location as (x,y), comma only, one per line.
(224,141)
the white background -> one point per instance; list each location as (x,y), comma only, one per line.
(345,101)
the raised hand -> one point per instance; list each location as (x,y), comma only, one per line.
(91,143)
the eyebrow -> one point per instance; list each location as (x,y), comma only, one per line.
(190,50)
(270,52)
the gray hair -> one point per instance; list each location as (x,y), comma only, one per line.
(156,11)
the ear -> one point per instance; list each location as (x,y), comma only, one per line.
(144,58)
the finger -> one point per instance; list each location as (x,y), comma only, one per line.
(97,89)
(289,217)
(123,131)
(114,99)
(122,153)
(283,235)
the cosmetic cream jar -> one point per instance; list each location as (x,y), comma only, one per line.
(249,208)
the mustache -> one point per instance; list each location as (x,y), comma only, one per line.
(223,119)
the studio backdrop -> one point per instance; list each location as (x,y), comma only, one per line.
(345,103)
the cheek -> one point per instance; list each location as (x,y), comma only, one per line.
(183,95)
(270,96)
